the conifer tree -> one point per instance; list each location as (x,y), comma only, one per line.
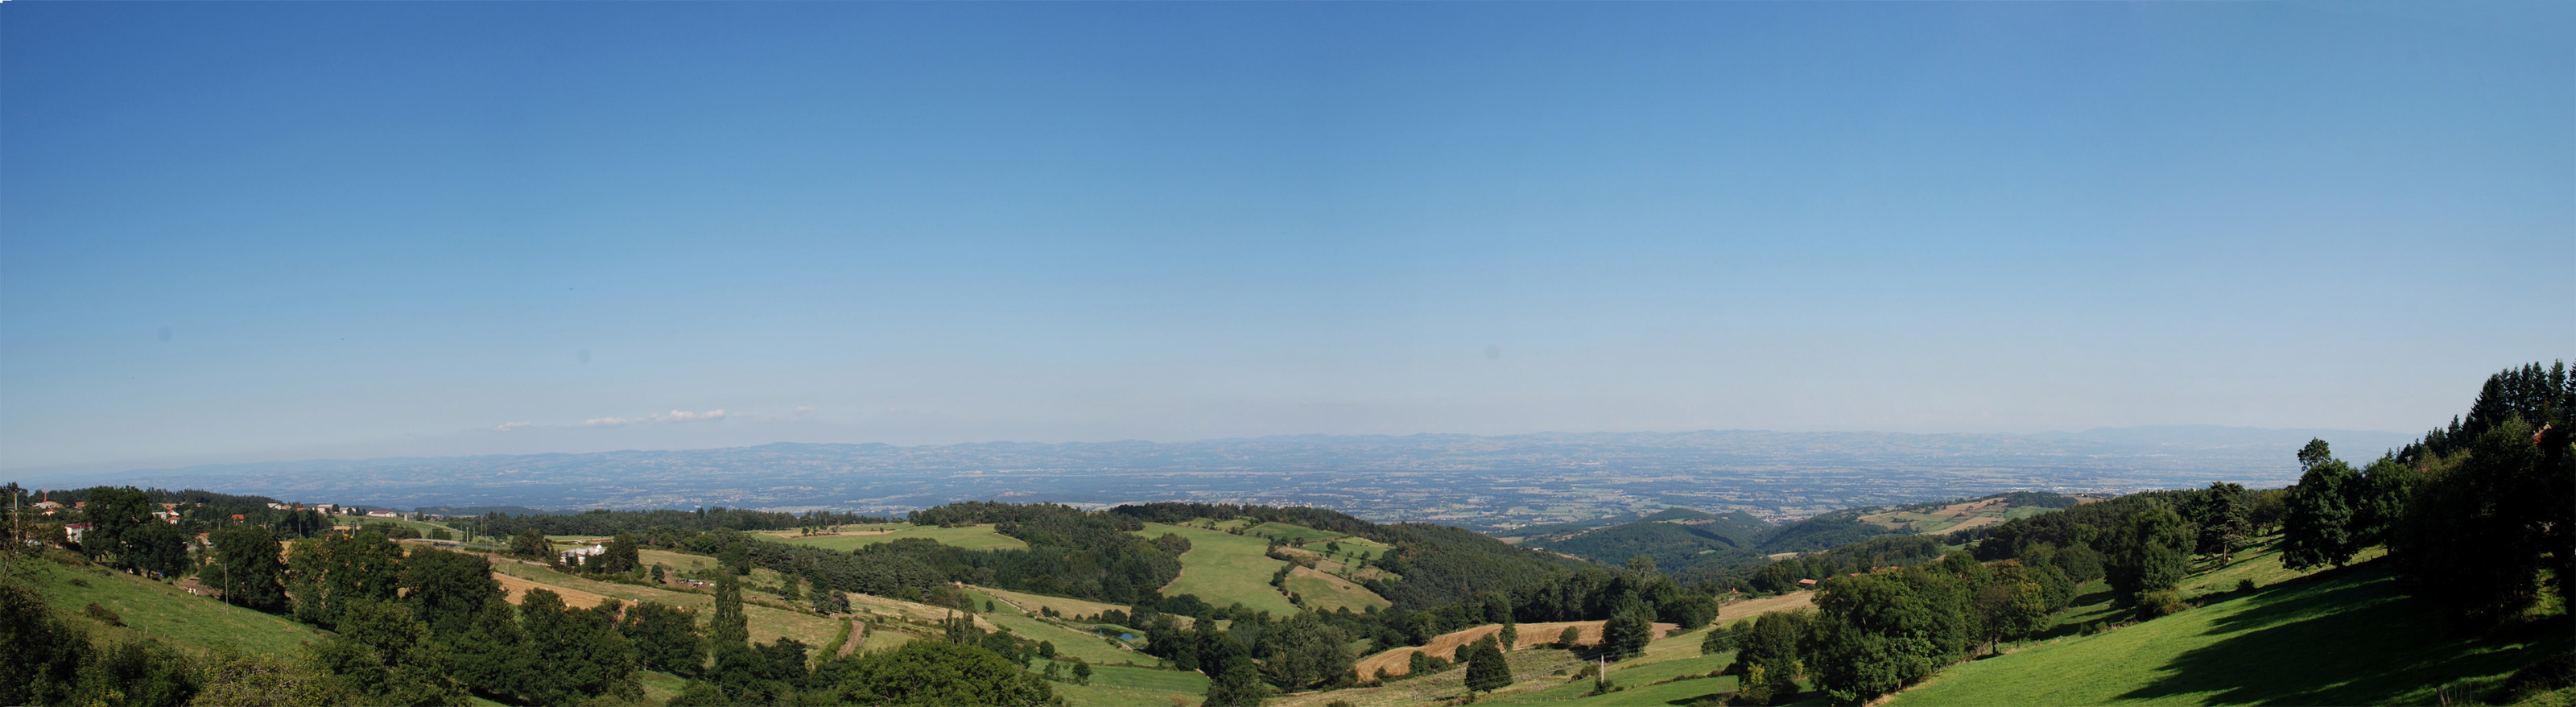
(1487,671)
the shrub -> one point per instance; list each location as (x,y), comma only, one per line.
(2159,603)
(104,614)
(2550,673)
(2245,585)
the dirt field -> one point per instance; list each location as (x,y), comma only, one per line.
(517,587)
(1757,607)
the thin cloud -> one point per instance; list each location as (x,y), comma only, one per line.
(683,416)
(674,416)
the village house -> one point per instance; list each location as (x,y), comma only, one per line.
(75,531)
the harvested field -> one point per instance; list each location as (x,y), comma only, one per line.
(1324,592)
(516,588)
(1398,661)
(1757,607)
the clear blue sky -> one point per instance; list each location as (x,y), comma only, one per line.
(236,231)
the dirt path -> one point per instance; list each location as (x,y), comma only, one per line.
(858,635)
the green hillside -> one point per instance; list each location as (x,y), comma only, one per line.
(2342,637)
(1224,568)
(1669,544)
(159,610)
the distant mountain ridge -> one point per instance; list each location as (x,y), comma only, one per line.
(1483,482)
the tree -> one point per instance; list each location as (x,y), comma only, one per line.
(941,673)
(40,655)
(1511,635)
(665,638)
(2318,529)
(1719,639)
(575,653)
(1767,655)
(154,547)
(112,513)
(622,555)
(2482,525)
(1880,631)
(248,568)
(728,627)
(331,572)
(493,654)
(2379,500)
(2016,604)
(1081,672)
(2150,554)
(445,588)
(1237,685)
(1486,669)
(1303,653)
(1569,636)
(1627,632)
(268,680)
(384,656)
(2221,515)
(531,544)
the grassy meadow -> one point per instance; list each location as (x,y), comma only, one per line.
(1224,568)
(2336,637)
(158,610)
(1122,686)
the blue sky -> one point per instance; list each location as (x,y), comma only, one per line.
(239,231)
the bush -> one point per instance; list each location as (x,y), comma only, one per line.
(2159,603)
(2245,585)
(2551,673)
(104,614)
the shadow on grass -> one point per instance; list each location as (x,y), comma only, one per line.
(2345,637)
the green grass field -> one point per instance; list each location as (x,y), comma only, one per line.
(1290,533)
(2340,637)
(157,610)
(973,537)
(1122,686)
(1223,569)
(1068,641)
(1323,594)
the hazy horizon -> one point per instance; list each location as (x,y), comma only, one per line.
(289,231)
(119,471)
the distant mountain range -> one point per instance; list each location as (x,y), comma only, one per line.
(1492,483)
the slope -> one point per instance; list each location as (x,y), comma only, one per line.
(2339,637)
(143,607)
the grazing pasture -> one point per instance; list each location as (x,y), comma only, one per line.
(1223,568)
(151,608)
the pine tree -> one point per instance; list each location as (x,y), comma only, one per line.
(1486,669)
